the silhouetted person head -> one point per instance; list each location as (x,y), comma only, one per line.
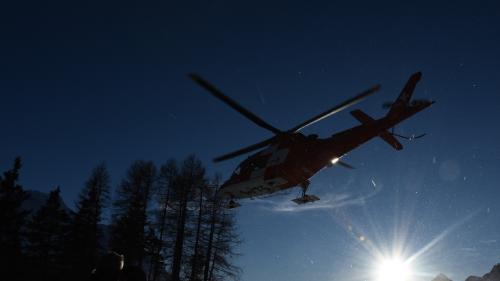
(132,273)
(109,267)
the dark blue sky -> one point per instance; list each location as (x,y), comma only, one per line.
(85,82)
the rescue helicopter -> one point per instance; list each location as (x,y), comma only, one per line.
(289,158)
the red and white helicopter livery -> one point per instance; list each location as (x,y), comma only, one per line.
(290,159)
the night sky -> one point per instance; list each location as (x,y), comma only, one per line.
(83,82)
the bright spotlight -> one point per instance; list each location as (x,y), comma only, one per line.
(393,270)
(335,160)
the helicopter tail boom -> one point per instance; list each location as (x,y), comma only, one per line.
(384,134)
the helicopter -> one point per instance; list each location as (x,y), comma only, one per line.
(289,158)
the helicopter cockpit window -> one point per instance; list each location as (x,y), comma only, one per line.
(258,164)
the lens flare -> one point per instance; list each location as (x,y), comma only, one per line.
(393,270)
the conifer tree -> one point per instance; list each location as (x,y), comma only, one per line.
(86,232)
(226,241)
(214,210)
(12,220)
(47,234)
(164,218)
(191,177)
(201,224)
(130,218)
(222,240)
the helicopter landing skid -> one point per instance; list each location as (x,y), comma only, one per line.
(306,198)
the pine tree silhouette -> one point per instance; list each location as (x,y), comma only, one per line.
(164,221)
(47,234)
(191,177)
(190,231)
(86,233)
(12,220)
(130,219)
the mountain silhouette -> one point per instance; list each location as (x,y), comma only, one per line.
(474,278)
(493,275)
(441,277)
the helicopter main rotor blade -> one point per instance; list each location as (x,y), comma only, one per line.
(218,94)
(245,150)
(336,108)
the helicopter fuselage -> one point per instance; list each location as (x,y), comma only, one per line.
(294,158)
(290,159)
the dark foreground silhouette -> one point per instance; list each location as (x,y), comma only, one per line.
(166,222)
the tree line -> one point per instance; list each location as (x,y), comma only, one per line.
(167,220)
